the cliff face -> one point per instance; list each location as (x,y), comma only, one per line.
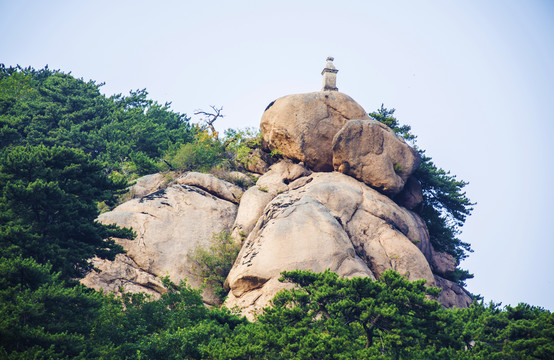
(169,223)
(300,214)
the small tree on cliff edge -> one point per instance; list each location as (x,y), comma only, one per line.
(445,205)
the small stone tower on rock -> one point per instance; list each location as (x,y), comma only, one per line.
(329,76)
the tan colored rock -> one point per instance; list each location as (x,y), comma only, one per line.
(305,236)
(383,234)
(169,224)
(302,127)
(411,195)
(425,245)
(452,294)
(280,176)
(149,183)
(122,274)
(252,205)
(319,222)
(247,180)
(258,162)
(373,154)
(222,189)
(443,263)
(383,247)
(288,237)
(252,302)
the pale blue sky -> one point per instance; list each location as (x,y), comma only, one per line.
(474,79)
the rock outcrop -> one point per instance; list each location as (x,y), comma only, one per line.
(148,184)
(452,294)
(442,263)
(319,221)
(123,274)
(411,195)
(213,185)
(251,207)
(301,127)
(300,214)
(169,224)
(372,153)
(258,161)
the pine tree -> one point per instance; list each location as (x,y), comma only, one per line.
(48,207)
(445,205)
(42,316)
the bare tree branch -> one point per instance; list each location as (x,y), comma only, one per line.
(211,117)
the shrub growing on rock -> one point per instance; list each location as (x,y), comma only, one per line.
(213,263)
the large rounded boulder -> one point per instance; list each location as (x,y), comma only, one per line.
(372,153)
(301,127)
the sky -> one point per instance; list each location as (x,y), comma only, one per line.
(474,79)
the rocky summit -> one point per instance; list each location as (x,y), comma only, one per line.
(302,126)
(340,199)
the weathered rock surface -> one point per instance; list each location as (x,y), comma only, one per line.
(292,219)
(149,183)
(442,263)
(259,162)
(302,126)
(123,274)
(251,207)
(213,185)
(281,175)
(245,179)
(321,221)
(372,153)
(452,294)
(169,224)
(411,195)
(299,215)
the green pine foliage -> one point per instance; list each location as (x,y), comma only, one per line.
(324,317)
(241,143)
(202,154)
(48,207)
(327,317)
(444,209)
(65,148)
(445,205)
(357,316)
(127,134)
(42,316)
(133,326)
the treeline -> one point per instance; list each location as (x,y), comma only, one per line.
(66,148)
(127,134)
(326,317)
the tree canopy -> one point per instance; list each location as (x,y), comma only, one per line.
(324,317)
(125,133)
(48,207)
